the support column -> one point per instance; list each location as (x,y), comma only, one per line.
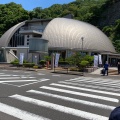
(52,60)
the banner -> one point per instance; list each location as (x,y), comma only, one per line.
(100,59)
(95,60)
(57,55)
(21,58)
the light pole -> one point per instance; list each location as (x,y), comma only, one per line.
(82,38)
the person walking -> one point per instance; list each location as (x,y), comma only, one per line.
(115,114)
(118,66)
(106,68)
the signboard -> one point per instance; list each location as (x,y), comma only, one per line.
(57,55)
(21,58)
(95,60)
(100,59)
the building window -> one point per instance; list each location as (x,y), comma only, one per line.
(16,40)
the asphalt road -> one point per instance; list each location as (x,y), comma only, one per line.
(30,95)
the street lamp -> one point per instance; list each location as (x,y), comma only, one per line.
(82,38)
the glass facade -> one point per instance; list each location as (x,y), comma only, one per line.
(16,40)
(38,45)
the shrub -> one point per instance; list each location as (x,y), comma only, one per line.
(74,69)
(15,63)
(89,59)
(28,64)
(47,58)
(84,63)
(42,62)
(35,67)
(63,63)
(25,61)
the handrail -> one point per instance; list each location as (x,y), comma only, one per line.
(13,54)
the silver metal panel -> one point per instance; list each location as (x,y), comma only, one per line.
(68,33)
(4,40)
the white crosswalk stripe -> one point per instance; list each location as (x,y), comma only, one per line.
(99,82)
(41,74)
(84,89)
(56,75)
(81,94)
(68,110)
(73,100)
(2,73)
(90,86)
(10,79)
(21,114)
(95,82)
(76,91)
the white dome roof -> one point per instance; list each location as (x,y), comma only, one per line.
(67,33)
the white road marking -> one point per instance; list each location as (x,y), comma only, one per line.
(4,70)
(23,77)
(27,77)
(81,94)
(91,86)
(86,89)
(98,83)
(34,82)
(15,75)
(5,75)
(16,71)
(41,74)
(10,78)
(55,75)
(31,77)
(27,72)
(93,104)
(17,81)
(21,114)
(8,75)
(93,79)
(64,109)
(75,79)
(2,73)
(10,84)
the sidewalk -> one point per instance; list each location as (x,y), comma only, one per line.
(95,74)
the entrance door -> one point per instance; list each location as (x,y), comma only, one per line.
(2,56)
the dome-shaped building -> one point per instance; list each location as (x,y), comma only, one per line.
(64,33)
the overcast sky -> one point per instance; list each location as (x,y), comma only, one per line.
(31,4)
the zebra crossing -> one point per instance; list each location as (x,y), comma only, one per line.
(19,80)
(82,97)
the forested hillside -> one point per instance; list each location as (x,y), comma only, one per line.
(105,14)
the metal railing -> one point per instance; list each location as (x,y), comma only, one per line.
(31,28)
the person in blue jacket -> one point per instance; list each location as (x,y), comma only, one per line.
(115,114)
(106,68)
